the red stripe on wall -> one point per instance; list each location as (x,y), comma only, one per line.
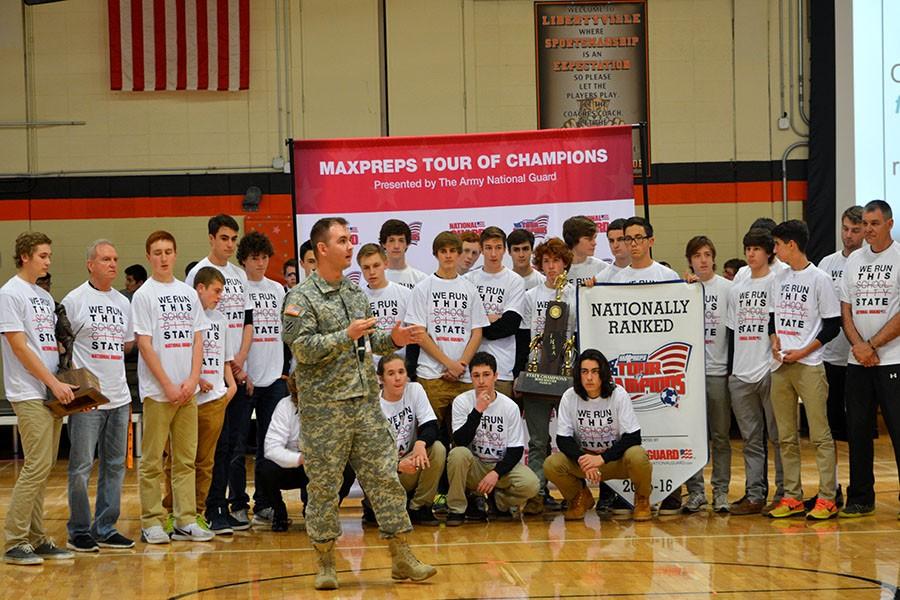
(720,193)
(137,44)
(222,43)
(159,42)
(202,47)
(181,44)
(115,45)
(244,21)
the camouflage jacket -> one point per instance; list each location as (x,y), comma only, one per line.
(314,325)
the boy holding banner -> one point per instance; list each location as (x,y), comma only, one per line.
(701,255)
(804,316)
(599,437)
(750,381)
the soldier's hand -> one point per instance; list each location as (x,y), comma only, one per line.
(404,336)
(361,327)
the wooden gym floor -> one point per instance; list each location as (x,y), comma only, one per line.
(693,556)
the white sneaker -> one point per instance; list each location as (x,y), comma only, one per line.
(192,532)
(154,535)
(263,518)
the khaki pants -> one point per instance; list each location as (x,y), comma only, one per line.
(425,482)
(465,472)
(441,394)
(210,417)
(569,478)
(164,422)
(505,388)
(39,430)
(808,382)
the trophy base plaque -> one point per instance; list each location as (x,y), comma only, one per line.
(87,396)
(545,386)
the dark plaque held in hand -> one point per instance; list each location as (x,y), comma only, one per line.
(551,353)
(87,395)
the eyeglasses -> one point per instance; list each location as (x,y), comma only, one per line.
(637,239)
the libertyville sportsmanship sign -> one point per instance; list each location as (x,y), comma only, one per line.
(652,335)
(532,180)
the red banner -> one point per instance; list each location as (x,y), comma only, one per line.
(529,179)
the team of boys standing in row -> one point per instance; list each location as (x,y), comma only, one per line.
(211,352)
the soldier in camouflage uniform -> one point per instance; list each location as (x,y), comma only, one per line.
(329,327)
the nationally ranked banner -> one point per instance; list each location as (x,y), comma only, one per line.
(652,335)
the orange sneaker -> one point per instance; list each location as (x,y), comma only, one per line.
(824,509)
(788,507)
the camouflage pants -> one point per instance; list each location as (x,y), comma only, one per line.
(352,430)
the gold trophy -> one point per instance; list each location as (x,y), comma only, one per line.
(87,394)
(551,353)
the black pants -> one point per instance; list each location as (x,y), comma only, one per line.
(867,389)
(272,478)
(265,399)
(229,476)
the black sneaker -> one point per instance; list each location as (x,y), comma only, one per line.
(368,516)
(279,525)
(455,519)
(551,504)
(854,511)
(607,498)
(50,551)
(423,516)
(238,520)
(83,542)
(218,521)
(23,554)
(476,511)
(495,514)
(671,505)
(620,506)
(116,541)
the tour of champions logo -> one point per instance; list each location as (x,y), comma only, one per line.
(466,226)
(354,276)
(602,222)
(539,226)
(654,381)
(415,229)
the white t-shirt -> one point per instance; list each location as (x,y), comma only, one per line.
(598,423)
(234,301)
(408,277)
(500,292)
(652,274)
(388,306)
(715,299)
(776,267)
(608,273)
(800,300)
(215,354)
(837,350)
(581,272)
(265,360)
(102,324)
(748,317)
(406,415)
(870,286)
(170,313)
(500,427)
(535,312)
(27,308)
(533,279)
(449,309)
(282,444)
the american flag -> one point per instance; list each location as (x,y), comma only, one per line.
(179,44)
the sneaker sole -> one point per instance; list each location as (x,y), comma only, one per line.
(189,538)
(240,527)
(825,517)
(844,515)
(225,531)
(67,556)
(793,513)
(75,548)
(115,546)
(24,561)
(145,540)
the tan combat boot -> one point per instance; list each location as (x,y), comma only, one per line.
(579,505)
(326,578)
(404,564)
(641,510)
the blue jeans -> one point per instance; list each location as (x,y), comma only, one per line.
(106,432)
(229,476)
(265,399)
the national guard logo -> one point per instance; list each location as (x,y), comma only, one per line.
(354,276)
(539,226)
(602,222)
(655,381)
(415,229)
